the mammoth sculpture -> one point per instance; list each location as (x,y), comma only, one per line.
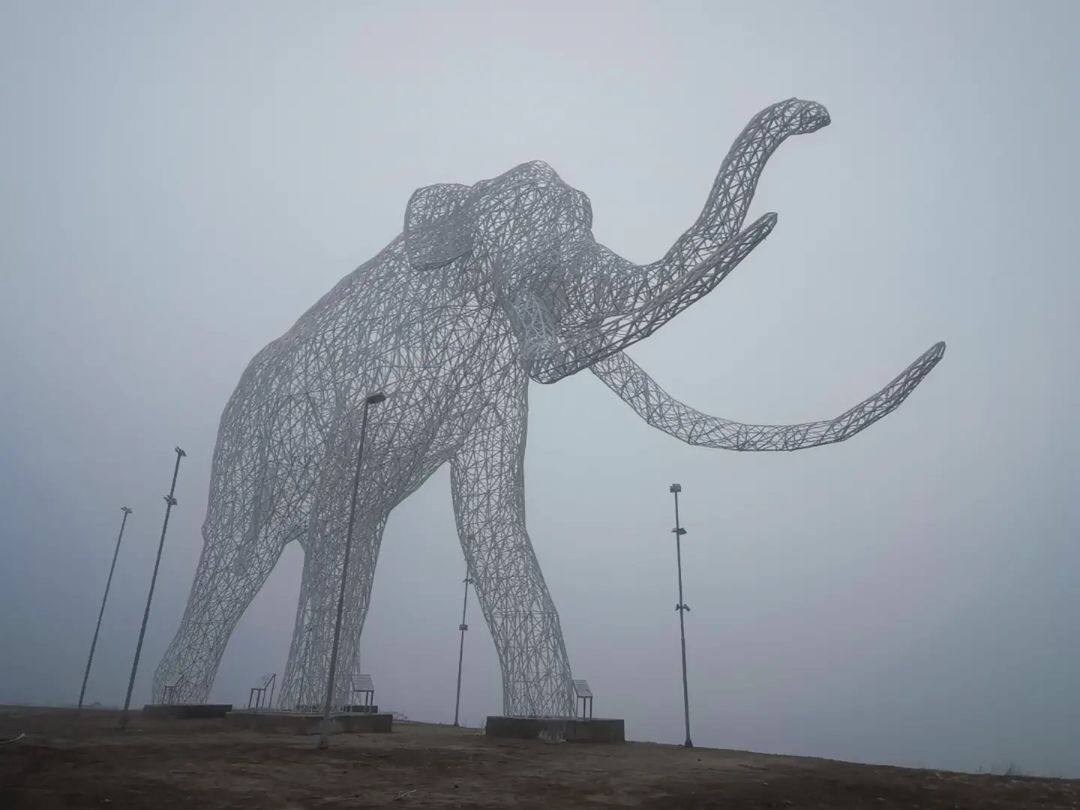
(489,286)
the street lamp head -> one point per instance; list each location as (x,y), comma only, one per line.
(375,399)
(675,488)
(127,510)
(180,452)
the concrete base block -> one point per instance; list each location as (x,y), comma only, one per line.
(187,711)
(303,723)
(554,729)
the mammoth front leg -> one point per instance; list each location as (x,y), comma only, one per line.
(488,484)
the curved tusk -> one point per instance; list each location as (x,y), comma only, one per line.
(653,404)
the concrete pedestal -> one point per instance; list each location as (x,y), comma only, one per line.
(187,711)
(304,723)
(597,729)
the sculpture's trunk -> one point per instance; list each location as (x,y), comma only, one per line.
(639,299)
(729,200)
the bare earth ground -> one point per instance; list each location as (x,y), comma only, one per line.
(67,761)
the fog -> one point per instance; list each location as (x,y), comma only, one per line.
(179,182)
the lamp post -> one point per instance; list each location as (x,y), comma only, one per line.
(373,399)
(681,608)
(461,647)
(170,502)
(108,582)
(303,666)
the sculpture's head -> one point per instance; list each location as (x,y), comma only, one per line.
(571,301)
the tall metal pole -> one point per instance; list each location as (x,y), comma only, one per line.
(86,675)
(461,647)
(303,666)
(681,608)
(374,399)
(170,502)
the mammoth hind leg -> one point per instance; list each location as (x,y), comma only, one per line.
(308,669)
(247,525)
(324,544)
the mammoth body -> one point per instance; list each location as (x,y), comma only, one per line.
(489,286)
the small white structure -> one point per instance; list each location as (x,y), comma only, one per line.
(585,695)
(364,687)
(262,696)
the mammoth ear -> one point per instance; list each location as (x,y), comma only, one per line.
(437,227)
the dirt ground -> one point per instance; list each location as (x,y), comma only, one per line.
(70,761)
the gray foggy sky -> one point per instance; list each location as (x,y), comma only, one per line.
(179,182)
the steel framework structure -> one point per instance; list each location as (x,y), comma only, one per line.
(488,286)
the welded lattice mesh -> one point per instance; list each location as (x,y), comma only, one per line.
(488,286)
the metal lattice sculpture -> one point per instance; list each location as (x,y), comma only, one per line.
(489,285)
